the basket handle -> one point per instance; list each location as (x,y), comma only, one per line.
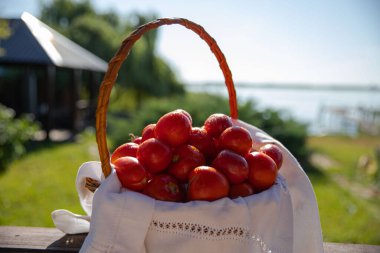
(115,64)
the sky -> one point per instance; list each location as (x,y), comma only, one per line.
(289,41)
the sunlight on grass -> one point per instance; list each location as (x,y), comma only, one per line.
(345,218)
(42,181)
(345,215)
(346,150)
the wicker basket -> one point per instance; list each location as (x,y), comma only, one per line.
(115,64)
(284,218)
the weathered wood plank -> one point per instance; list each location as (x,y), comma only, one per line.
(350,248)
(33,239)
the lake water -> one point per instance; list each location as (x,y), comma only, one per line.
(325,110)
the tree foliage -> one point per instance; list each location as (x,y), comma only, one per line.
(62,13)
(14,133)
(97,35)
(102,33)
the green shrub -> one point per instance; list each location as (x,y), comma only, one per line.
(200,105)
(14,133)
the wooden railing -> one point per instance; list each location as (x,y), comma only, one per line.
(33,239)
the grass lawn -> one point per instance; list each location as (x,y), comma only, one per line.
(44,180)
(346,151)
(346,216)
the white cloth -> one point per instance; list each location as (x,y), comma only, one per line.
(75,224)
(307,226)
(281,219)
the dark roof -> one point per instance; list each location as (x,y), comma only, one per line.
(28,40)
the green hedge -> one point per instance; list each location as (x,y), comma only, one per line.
(14,133)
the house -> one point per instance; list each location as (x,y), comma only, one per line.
(46,75)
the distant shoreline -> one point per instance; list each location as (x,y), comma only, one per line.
(372,87)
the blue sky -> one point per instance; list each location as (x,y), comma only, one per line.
(317,42)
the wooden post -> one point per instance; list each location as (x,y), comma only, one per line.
(50,94)
(31,91)
(76,80)
(93,88)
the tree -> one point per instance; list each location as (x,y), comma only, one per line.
(60,14)
(147,73)
(144,73)
(97,35)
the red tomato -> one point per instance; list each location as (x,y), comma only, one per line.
(164,187)
(148,132)
(126,149)
(154,155)
(206,183)
(186,114)
(137,140)
(240,190)
(262,171)
(232,165)
(274,152)
(216,123)
(185,159)
(173,128)
(237,139)
(200,139)
(218,148)
(131,173)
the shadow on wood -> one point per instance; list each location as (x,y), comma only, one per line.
(70,243)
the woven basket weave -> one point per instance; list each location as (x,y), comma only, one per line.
(120,56)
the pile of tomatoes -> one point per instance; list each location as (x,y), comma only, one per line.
(174,161)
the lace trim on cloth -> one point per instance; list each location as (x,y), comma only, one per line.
(209,233)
